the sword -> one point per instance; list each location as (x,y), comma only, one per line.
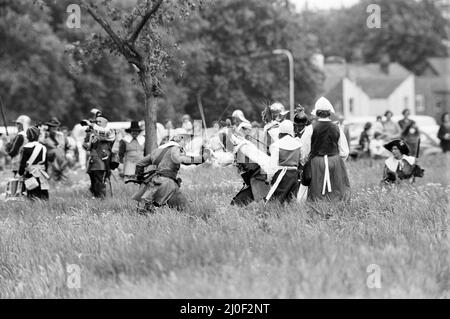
(3,116)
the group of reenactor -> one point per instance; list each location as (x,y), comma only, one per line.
(303,159)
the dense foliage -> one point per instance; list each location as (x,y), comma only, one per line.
(221,53)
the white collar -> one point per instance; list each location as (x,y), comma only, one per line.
(392,163)
(324,120)
(140,139)
(169,144)
(288,143)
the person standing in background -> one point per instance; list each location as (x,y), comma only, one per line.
(14,148)
(444,132)
(131,150)
(99,142)
(344,127)
(410,132)
(187,124)
(391,130)
(378,125)
(33,166)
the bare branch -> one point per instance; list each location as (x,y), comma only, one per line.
(127,51)
(144,20)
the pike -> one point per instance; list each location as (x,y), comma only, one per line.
(202,113)
(3,116)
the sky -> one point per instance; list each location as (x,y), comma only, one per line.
(324,4)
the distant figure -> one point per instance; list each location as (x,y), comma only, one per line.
(378,125)
(391,130)
(410,132)
(272,116)
(3,154)
(400,166)
(324,149)
(444,132)
(56,145)
(98,143)
(131,150)
(301,121)
(344,127)
(239,121)
(33,166)
(364,141)
(377,150)
(79,134)
(187,124)
(14,148)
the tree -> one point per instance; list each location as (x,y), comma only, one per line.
(411,31)
(142,36)
(229,60)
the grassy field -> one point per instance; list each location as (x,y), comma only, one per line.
(217,251)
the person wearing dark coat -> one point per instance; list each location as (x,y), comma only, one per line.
(33,166)
(14,148)
(99,142)
(444,133)
(410,132)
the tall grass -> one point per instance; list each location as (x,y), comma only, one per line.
(213,250)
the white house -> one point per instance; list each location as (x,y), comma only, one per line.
(369,89)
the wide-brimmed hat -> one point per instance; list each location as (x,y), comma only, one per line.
(134,127)
(53,122)
(401,145)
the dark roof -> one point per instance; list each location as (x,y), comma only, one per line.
(440,65)
(369,77)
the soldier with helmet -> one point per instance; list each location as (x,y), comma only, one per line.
(273,115)
(161,185)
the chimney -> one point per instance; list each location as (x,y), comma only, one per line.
(385,61)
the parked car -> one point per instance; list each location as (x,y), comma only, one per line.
(429,143)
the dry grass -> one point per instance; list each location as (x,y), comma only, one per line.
(217,251)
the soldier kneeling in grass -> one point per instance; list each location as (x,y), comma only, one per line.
(160,186)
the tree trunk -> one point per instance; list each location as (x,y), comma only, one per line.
(151,105)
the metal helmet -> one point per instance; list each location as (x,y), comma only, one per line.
(24,120)
(278,108)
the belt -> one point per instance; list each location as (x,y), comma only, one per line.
(282,170)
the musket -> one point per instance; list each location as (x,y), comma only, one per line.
(3,116)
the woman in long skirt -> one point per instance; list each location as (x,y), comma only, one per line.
(324,150)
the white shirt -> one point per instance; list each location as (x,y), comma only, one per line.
(306,142)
